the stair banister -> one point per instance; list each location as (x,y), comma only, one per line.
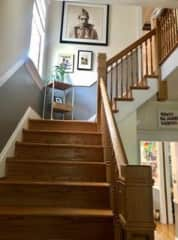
(116,141)
(131,185)
(131,47)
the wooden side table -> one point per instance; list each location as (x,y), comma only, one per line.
(56,106)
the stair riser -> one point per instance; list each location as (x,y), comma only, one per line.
(55,228)
(60,172)
(60,153)
(61,196)
(59,138)
(64,126)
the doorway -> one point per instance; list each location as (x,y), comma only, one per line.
(163,158)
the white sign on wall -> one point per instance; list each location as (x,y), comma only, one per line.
(168,119)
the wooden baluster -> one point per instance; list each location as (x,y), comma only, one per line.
(132,69)
(117,81)
(111,86)
(102,70)
(146,56)
(168,32)
(141,64)
(171,29)
(164,43)
(158,43)
(164,37)
(127,76)
(122,78)
(176,24)
(151,55)
(137,68)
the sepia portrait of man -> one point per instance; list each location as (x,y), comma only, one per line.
(84,29)
(84,23)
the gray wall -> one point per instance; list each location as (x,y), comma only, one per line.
(85,103)
(16,95)
(15,29)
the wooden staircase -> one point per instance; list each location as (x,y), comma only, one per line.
(55,186)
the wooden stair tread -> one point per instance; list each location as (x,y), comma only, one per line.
(62,132)
(54,183)
(63,121)
(58,145)
(55,211)
(14,160)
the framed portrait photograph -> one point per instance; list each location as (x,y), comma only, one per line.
(85,60)
(67,61)
(84,23)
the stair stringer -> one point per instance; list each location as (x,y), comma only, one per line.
(140,96)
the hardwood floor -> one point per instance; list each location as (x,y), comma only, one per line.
(165,232)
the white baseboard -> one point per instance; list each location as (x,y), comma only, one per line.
(34,73)
(30,68)
(8,150)
(92,119)
(11,71)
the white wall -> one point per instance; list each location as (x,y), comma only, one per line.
(15,28)
(124,28)
(128,131)
(148,125)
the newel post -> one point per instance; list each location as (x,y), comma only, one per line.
(162,85)
(101,74)
(136,203)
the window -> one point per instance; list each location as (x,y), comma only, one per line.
(38,34)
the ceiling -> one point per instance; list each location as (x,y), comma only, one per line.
(154,3)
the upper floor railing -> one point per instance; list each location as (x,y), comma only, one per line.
(129,68)
(167,27)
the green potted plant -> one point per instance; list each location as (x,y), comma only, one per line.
(59,72)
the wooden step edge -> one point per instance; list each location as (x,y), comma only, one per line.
(58,145)
(139,87)
(151,76)
(62,121)
(5,181)
(129,99)
(55,211)
(62,132)
(16,160)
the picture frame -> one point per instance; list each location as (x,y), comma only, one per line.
(84,23)
(85,60)
(67,60)
(58,99)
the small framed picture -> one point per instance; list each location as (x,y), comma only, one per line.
(58,99)
(67,61)
(85,60)
(84,23)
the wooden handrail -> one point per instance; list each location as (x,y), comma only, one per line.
(131,47)
(117,144)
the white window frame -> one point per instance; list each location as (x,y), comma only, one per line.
(39,21)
